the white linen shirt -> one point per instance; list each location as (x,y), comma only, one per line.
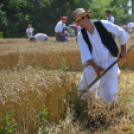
(99,52)
(29,30)
(59,27)
(111,19)
(40,37)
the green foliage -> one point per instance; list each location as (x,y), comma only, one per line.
(119,10)
(126,69)
(64,67)
(6,124)
(99,8)
(104,131)
(43,114)
(15,15)
(42,117)
(42,14)
(62,123)
(132,127)
(1,34)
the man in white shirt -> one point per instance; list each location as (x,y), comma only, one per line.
(40,37)
(60,30)
(98,57)
(29,31)
(110,18)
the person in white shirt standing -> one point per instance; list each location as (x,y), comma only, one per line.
(40,37)
(29,31)
(99,53)
(110,18)
(60,30)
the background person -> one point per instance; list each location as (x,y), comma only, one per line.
(60,30)
(29,31)
(40,37)
(110,18)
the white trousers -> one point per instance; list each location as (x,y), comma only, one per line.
(108,83)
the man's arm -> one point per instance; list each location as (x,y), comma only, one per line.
(123,51)
(97,68)
(58,29)
(86,55)
(119,33)
(60,33)
(33,29)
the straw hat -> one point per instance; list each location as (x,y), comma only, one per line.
(78,13)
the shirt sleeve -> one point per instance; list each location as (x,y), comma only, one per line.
(59,27)
(27,30)
(112,20)
(85,52)
(119,32)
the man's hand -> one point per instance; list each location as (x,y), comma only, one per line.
(98,70)
(123,51)
(61,33)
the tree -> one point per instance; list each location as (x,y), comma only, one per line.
(42,14)
(13,19)
(119,10)
(15,15)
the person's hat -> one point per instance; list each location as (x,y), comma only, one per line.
(64,18)
(78,13)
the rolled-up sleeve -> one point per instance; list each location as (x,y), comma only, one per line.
(85,52)
(59,27)
(119,32)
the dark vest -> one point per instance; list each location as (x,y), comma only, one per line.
(106,38)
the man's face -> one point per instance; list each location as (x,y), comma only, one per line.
(108,14)
(64,21)
(82,21)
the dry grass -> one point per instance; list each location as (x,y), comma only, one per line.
(30,82)
(26,93)
(20,53)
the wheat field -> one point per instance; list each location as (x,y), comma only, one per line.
(19,53)
(38,85)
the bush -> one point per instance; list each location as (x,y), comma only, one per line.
(1,34)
